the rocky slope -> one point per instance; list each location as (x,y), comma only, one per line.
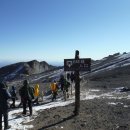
(111,66)
(24,68)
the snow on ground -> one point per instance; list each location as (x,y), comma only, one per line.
(18,122)
(16,119)
(110,67)
(13,74)
(123,56)
(52,74)
(126,64)
(121,61)
(94,90)
(115,103)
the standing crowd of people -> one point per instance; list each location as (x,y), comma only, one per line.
(28,96)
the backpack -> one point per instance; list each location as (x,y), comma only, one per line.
(31,92)
(36,90)
(54,87)
(27,93)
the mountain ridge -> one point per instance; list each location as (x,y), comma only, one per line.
(24,68)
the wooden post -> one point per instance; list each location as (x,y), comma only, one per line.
(83,64)
(77,87)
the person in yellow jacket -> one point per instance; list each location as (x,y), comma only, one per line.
(36,93)
(54,89)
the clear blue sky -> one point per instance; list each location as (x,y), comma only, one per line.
(52,30)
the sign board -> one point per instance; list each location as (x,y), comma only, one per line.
(83,64)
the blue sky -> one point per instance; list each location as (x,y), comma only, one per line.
(52,30)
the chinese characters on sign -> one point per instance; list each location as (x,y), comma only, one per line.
(83,64)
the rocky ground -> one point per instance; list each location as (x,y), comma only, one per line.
(107,111)
(95,114)
(103,107)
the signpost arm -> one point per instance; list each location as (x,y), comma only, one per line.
(77,87)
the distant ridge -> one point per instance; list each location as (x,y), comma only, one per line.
(24,68)
(111,66)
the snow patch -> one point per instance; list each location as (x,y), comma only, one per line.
(115,103)
(123,56)
(17,121)
(94,90)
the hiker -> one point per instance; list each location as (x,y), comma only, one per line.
(68,76)
(61,81)
(72,77)
(36,93)
(64,83)
(66,87)
(26,93)
(4,96)
(54,89)
(13,96)
(20,104)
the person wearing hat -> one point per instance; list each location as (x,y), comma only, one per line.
(4,96)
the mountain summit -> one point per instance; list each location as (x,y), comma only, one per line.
(24,68)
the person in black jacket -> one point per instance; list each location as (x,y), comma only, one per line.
(72,77)
(13,94)
(26,93)
(61,82)
(4,96)
(68,76)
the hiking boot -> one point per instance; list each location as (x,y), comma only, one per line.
(23,113)
(30,113)
(7,127)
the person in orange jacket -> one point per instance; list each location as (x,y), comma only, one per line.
(36,93)
(54,89)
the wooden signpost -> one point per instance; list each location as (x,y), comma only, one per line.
(77,64)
